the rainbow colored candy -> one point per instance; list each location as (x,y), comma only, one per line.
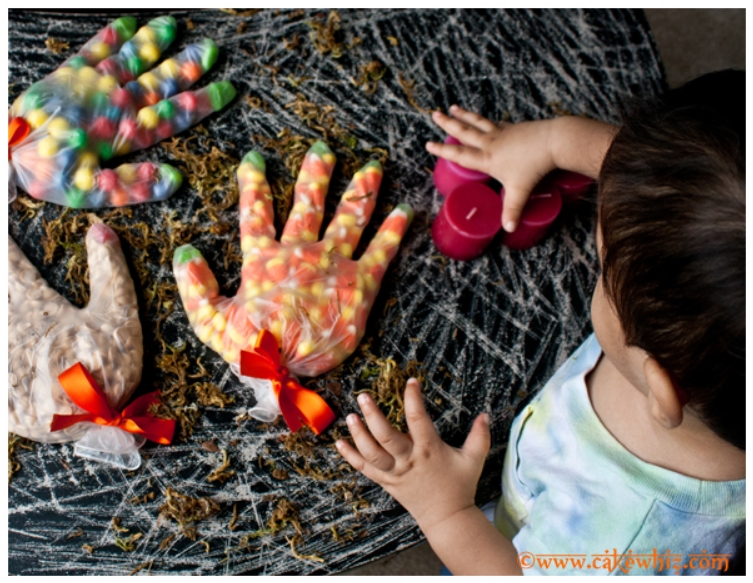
(310,294)
(106,101)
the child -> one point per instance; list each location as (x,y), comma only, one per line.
(632,458)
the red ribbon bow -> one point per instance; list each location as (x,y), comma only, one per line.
(297,403)
(135,418)
(18,129)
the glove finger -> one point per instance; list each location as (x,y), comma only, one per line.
(26,284)
(75,81)
(199,293)
(139,53)
(49,168)
(134,184)
(256,212)
(383,247)
(113,295)
(305,218)
(74,179)
(171,116)
(104,44)
(355,208)
(174,74)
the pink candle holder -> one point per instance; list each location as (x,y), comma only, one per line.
(572,186)
(448,175)
(540,211)
(467,221)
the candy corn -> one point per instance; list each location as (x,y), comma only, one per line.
(309,294)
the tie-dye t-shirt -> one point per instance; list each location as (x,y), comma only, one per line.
(575,501)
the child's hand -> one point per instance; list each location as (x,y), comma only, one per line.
(431,479)
(518,155)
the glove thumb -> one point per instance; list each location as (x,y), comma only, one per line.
(112,289)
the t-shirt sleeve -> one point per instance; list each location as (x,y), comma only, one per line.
(673,542)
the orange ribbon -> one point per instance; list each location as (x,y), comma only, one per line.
(135,418)
(297,403)
(18,129)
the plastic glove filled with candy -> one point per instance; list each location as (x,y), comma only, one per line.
(310,294)
(50,342)
(104,102)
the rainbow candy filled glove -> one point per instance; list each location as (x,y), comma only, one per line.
(105,102)
(309,294)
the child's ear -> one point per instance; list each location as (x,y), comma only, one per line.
(664,402)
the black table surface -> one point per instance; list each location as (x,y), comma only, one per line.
(488,333)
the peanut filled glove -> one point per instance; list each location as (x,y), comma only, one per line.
(309,294)
(105,102)
(70,370)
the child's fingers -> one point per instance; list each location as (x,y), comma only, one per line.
(478,442)
(311,187)
(394,442)
(472,119)
(419,423)
(465,156)
(105,43)
(515,202)
(355,208)
(374,454)
(355,459)
(467,134)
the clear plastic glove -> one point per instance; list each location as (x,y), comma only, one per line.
(105,102)
(47,335)
(310,294)
(110,445)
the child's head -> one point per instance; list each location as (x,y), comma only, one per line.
(672,221)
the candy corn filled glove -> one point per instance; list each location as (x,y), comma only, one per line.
(309,294)
(47,336)
(103,102)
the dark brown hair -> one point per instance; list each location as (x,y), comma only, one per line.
(672,213)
